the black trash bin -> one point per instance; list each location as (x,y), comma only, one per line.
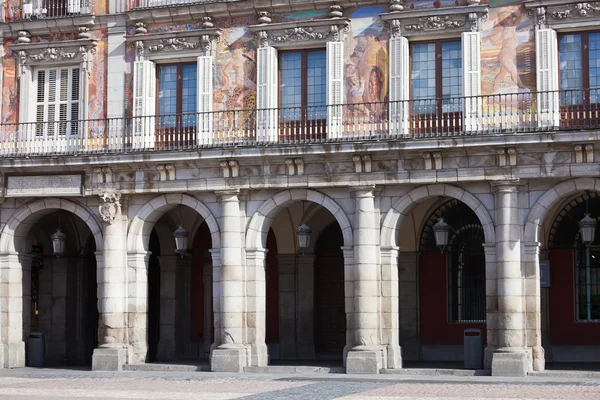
(473,349)
(36,349)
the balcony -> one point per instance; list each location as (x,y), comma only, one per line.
(483,116)
(164,3)
(29,10)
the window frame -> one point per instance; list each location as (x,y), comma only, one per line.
(179,97)
(579,254)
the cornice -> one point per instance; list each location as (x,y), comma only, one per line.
(201,40)
(298,33)
(54,53)
(566,14)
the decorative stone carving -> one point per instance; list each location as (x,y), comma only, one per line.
(578,10)
(110,206)
(54,52)
(396,5)
(140,28)
(336,11)
(296,33)
(173,44)
(301,34)
(103,174)
(156,43)
(435,23)
(231,168)
(83,32)
(264,17)
(23,37)
(550,13)
(362,163)
(208,22)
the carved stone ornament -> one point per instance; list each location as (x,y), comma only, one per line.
(202,40)
(53,54)
(110,206)
(285,34)
(551,13)
(45,53)
(173,44)
(421,22)
(579,10)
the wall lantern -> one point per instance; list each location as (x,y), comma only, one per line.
(303,237)
(181,240)
(59,240)
(441,233)
(587,229)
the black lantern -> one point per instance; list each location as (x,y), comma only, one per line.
(181,240)
(59,240)
(587,229)
(441,233)
(303,237)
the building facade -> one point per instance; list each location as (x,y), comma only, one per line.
(245,181)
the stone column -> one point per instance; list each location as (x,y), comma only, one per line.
(137,275)
(230,354)
(112,288)
(491,303)
(12,347)
(366,354)
(510,358)
(533,304)
(390,309)
(256,291)
(165,350)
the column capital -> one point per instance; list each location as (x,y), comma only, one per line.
(531,248)
(228,195)
(366,190)
(256,254)
(504,186)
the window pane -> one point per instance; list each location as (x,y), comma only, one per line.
(571,81)
(451,76)
(594,46)
(291,85)
(188,95)
(587,284)
(423,78)
(316,85)
(167,95)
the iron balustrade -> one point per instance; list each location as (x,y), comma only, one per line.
(44,9)
(163,3)
(498,114)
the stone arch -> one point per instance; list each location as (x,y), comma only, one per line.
(141,225)
(549,199)
(26,216)
(256,236)
(402,207)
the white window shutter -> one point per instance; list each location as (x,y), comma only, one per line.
(546,53)
(144,100)
(399,86)
(73,6)
(205,100)
(471,42)
(267,95)
(335,89)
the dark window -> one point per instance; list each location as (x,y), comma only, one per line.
(177,96)
(303,85)
(587,283)
(579,68)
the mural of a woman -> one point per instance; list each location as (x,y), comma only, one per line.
(504,35)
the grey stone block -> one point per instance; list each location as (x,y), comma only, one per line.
(363,362)
(510,364)
(228,360)
(108,359)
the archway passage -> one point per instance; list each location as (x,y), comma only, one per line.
(330,316)
(59,293)
(451,282)
(180,304)
(571,297)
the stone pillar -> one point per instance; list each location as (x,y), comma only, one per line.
(510,358)
(366,354)
(112,288)
(230,354)
(256,289)
(116,65)
(166,348)
(491,303)
(12,347)
(390,309)
(137,275)
(533,304)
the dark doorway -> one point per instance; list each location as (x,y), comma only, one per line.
(153,296)
(201,315)
(330,314)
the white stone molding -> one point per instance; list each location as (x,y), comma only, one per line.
(143,222)
(295,166)
(442,22)
(166,172)
(103,174)
(298,34)
(563,14)
(362,163)
(402,207)
(110,206)
(13,234)
(174,44)
(258,228)
(230,168)
(558,193)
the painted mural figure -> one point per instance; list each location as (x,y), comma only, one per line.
(504,34)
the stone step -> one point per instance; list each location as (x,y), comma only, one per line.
(155,367)
(436,372)
(290,369)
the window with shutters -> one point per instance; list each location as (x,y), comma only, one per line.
(436,86)
(303,92)
(57,102)
(579,58)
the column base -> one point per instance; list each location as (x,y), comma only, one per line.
(539,358)
(12,355)
(394,356)
(510,363)
(364,360)
(228,359)
(259,355)
(109,358)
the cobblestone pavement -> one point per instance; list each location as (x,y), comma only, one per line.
(69,384)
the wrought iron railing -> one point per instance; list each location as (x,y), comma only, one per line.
(44,9)
(503,114)
(163,3)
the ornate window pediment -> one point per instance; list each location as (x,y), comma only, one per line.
(157,45)
(436,22)
(302,33)
(53,53)
(563,14)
